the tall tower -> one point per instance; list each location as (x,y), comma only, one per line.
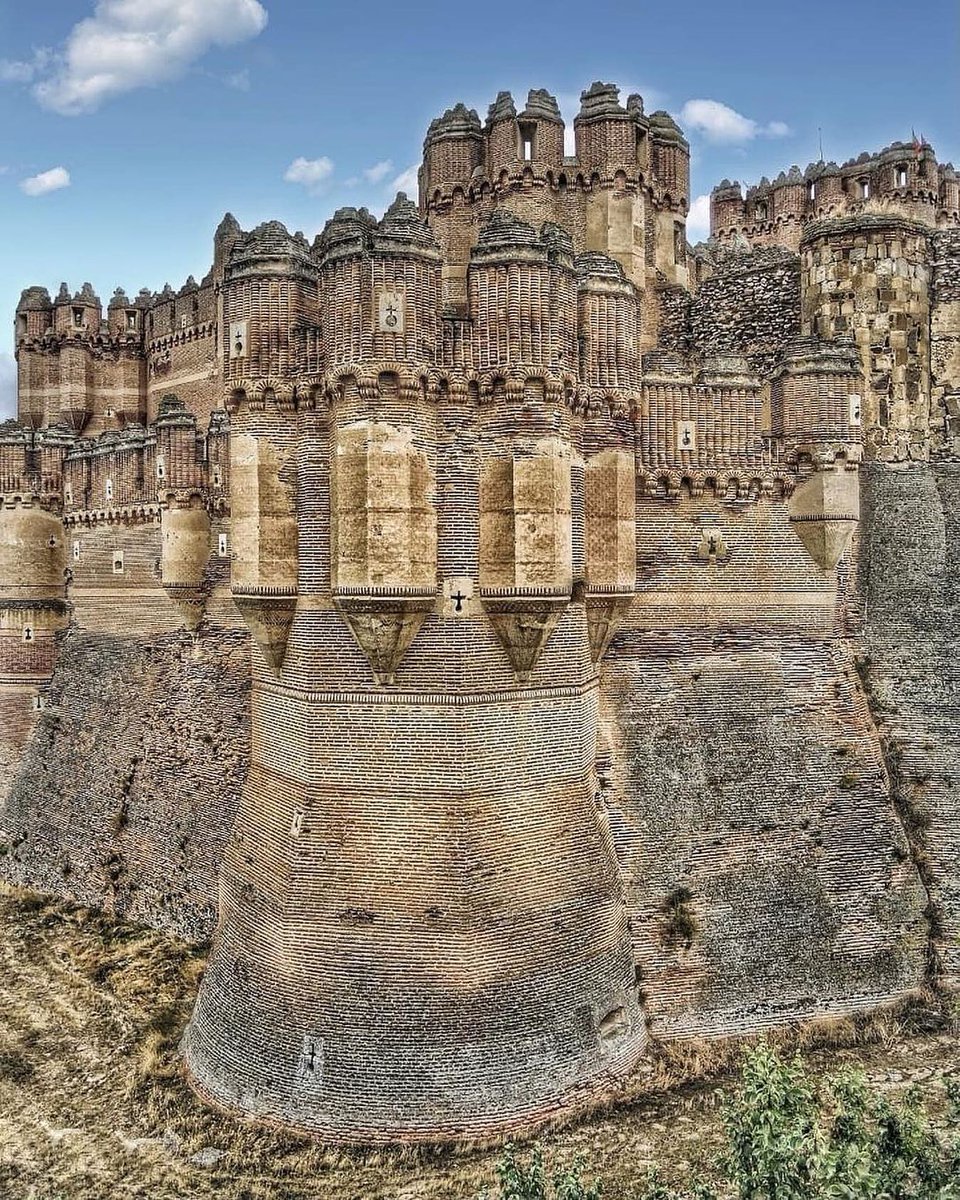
(423,932)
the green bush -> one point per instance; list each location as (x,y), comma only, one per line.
(791,1137)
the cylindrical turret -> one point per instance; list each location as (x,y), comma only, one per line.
(34,314)
(452,151)
(541,130)
(671,161)
(184,550)
(609,326)
(78,315)
(607,135)
(727,210)
(523,295)
(502,135)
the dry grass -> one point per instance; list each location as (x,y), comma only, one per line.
(93,1104)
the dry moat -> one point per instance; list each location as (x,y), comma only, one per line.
(93,1101)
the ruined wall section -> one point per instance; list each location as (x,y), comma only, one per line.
(750,306)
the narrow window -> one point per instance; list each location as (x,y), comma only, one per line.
(118,562)
(812,190)
(131,320)
(161,468)
(217,475)
(864,189)
(76,550)
(22,324)
(108,489)
(78,316)
(222,545)
(183,321)
(760,212)
(679,244)
(527,136)
(28,633)
(901,176)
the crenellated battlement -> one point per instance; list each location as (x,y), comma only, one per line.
(903,177)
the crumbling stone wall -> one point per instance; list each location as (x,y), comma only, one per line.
(750,305)
(127,789)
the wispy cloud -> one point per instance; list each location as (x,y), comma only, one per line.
(47,181)
(311,173)
(128,44)
(719,122)
(407,182)
(8,386)
(378,172)
(698,219)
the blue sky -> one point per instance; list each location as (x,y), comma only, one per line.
(128,127)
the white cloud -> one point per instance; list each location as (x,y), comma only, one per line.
(311,172)
(698,219)
(721,123)
(378,172)
(407,182)
(8,387)
(46,181)
(128,44)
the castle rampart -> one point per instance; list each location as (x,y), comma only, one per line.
(470,600)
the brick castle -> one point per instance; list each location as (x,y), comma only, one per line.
(514,634)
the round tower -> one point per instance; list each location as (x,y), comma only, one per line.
(452,150)
(727,210)
(423,934)
(607,135)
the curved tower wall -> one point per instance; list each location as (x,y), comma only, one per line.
(415,919)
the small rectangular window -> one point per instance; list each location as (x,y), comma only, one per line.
(131,320)
(222,545)
(527,139)
(901,176)
(78,316)
(118,562)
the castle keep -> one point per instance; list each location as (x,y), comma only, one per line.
(511,633)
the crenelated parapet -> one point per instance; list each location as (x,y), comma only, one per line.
(904,177)
(624,192)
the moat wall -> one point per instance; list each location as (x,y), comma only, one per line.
(128,785)
(831,764)
(911,592)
